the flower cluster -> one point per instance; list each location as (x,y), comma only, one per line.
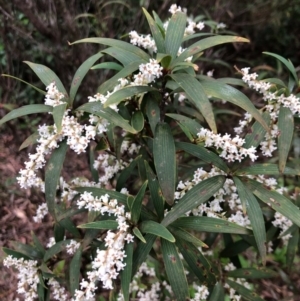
(232,148)
(109,262)
(145,41)
(40,213)
(201,292)
(283,223)
(53,96)
(72,246)
(28,276)
(58,292)
(148,73)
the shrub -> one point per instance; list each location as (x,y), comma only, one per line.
(166,187)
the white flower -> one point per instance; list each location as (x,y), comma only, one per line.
(40,213)
(72,247)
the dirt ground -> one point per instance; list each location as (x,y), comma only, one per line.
(18,206)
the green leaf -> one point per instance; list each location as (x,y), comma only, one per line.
(165,160)
(152,111)
(108,65)
(117,44)
(266,169)
(255,215)
(81,73)
(244,292)
(52,175)
(107,224)
(41,288)
(124,57)
(286,62)
(15,254)
(137,121)
(217,293)
(32,86)
(205,44)
(257,132)
(199,194)
(57,248)
(141,252)
(75,265)
(230,94)
(185,235)
(203,154)
(209,224)
(156,229)
(125,93)
(68,224)
(114,81)
(126,173)
(156,34)
(96,108)
(137,203)
(32,139)
(197,96)
(292,248)
(38,244)
(233,249)
(175,270)
(26,110)
(285,138)
(58,114)
(275,200)
(47,76)
(252,273)
(197,262)
(28,250)
(138,234)
(175,32)
(192,125)
(94,172)
(59,232)
(126,273)
(155,191)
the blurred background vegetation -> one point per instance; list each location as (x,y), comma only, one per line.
(39,31)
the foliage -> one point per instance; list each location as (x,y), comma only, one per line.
(166,185)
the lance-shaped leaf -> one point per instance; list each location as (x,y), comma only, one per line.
(286,62)
(47,76)
(126,173)
(156,229)
(68,224)
(26,110)
(142,251)
(175,270)
(152,112)
(81,73)
(255,215)
(75,265)
(252,273)
(217,293)
(203,154)
(185,235)
(137,121)
(28,250)
(137,203)
(192,125)
(57,248)
(197,96)
(108,65)
(197,262)
(58,114)
(244,292)
(52,175)
(30,85)
(230,94)
(194,197)
(257,132)
(285,138)
(117,44)
(205,44)
(175,32)
(15,254)
(106,224)
(275,200)
(156,33)
(38,244)
(138,234)
(127,92)
(267,169)
(126,273)
(96,108)
(113,81)
(209,224)
(165,160)
(32,139)
(155,192)
(292,248)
